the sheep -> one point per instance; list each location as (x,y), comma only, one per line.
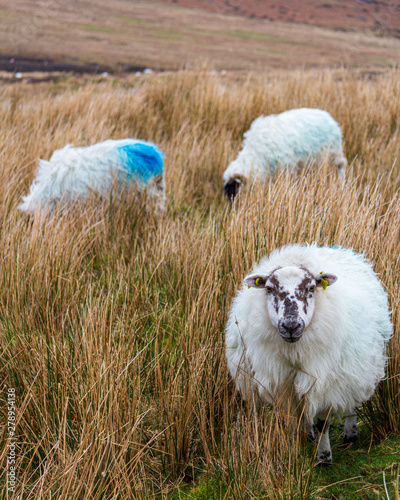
(315,320)
(73,172)
(286,140)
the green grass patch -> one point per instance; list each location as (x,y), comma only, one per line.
(132,20)
(359,470)
(98,28)
(168,35)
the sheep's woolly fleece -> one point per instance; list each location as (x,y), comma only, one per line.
(340,357)
(71,173)
(285,140)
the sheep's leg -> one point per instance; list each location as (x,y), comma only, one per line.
(324,453)
(341,165)
(309,428)
(350,429)
(310,432)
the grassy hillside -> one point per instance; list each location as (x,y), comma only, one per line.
(120,33)
(112,318)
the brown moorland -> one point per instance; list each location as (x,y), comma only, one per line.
(380,16)
(121,34)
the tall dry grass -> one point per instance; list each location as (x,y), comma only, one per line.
(112,317)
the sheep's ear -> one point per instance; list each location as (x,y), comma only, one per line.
(256,280)
(325,279)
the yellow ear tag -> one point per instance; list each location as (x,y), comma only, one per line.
(248,286)
(324,283)
(258,281)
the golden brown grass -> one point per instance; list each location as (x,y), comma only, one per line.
(112,318)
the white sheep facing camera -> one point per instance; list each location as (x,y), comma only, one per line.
(316,320)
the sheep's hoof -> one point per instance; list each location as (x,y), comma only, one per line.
(350,434)
(324,459)
(350,437)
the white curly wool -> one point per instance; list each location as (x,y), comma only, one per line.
(329,343)
(286,140)
(73,172)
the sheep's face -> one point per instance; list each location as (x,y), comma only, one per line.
(233,186)
(290,297)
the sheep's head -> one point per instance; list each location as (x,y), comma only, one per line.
(290,297)
(233,186)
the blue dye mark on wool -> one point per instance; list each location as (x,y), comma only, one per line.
(333,247)
(142,160)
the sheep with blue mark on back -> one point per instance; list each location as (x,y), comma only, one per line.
(310,325)
(73,172)
(285,140)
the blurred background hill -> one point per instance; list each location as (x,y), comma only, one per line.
(372,15)
(125,35)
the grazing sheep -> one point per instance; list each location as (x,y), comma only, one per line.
(287,139)
(314,320)
(73,172)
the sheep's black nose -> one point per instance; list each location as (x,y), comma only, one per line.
(231,188)
(291,328)
(291,324)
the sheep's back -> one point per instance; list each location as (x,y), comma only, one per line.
(293,136)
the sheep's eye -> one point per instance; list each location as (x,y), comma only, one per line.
(269,289)
(312,289)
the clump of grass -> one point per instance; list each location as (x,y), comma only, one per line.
(112,317)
